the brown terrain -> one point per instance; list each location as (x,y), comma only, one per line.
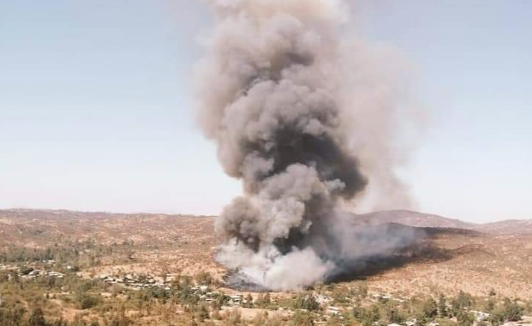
(449,255)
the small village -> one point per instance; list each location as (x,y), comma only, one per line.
(154,282)
(327,303)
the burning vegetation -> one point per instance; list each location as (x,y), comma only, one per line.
(310,122)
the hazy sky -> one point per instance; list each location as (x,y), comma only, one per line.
(96,111)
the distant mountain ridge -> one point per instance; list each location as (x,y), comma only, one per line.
(68,214)
(508,227)
(404,217)
(411,218)
(417,219)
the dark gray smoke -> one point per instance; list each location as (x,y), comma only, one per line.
(306,122)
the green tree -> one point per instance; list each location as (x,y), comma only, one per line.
(490,305)
(497,316)
(465,319)
(442,307)
(512,310)
(430,309)
(306,301)
(461,302)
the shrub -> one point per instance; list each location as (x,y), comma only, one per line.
(302,319)
(465,319)
(430,309)
(36,318)
(367,316)
(461,302)
(204,278)
(203,312)
(512,310)
(88,302)
(307,302)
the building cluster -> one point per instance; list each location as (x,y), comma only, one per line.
(29,273)
(376,297)
(42,273)
(137,282)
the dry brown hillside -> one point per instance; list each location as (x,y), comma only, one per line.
(446,259)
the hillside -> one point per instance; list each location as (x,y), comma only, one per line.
(448,255)
(508,227)
(416,219)
(412,218)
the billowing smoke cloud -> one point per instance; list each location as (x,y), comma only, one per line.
(308,122)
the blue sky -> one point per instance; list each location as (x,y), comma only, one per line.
(96,111)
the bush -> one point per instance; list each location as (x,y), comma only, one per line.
(508,311)
(263,301)
(302,319)
(307,302)
(393,314)
(11,317)
(465,319)
(497,316)
(88,302)
(204,278)
(430,309)
(25,270)
(36,318)
(203,312)
(461,302)
(367,316)
(512,310)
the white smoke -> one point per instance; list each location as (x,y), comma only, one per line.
(309,122)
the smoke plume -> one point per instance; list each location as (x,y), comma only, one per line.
(309,120)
